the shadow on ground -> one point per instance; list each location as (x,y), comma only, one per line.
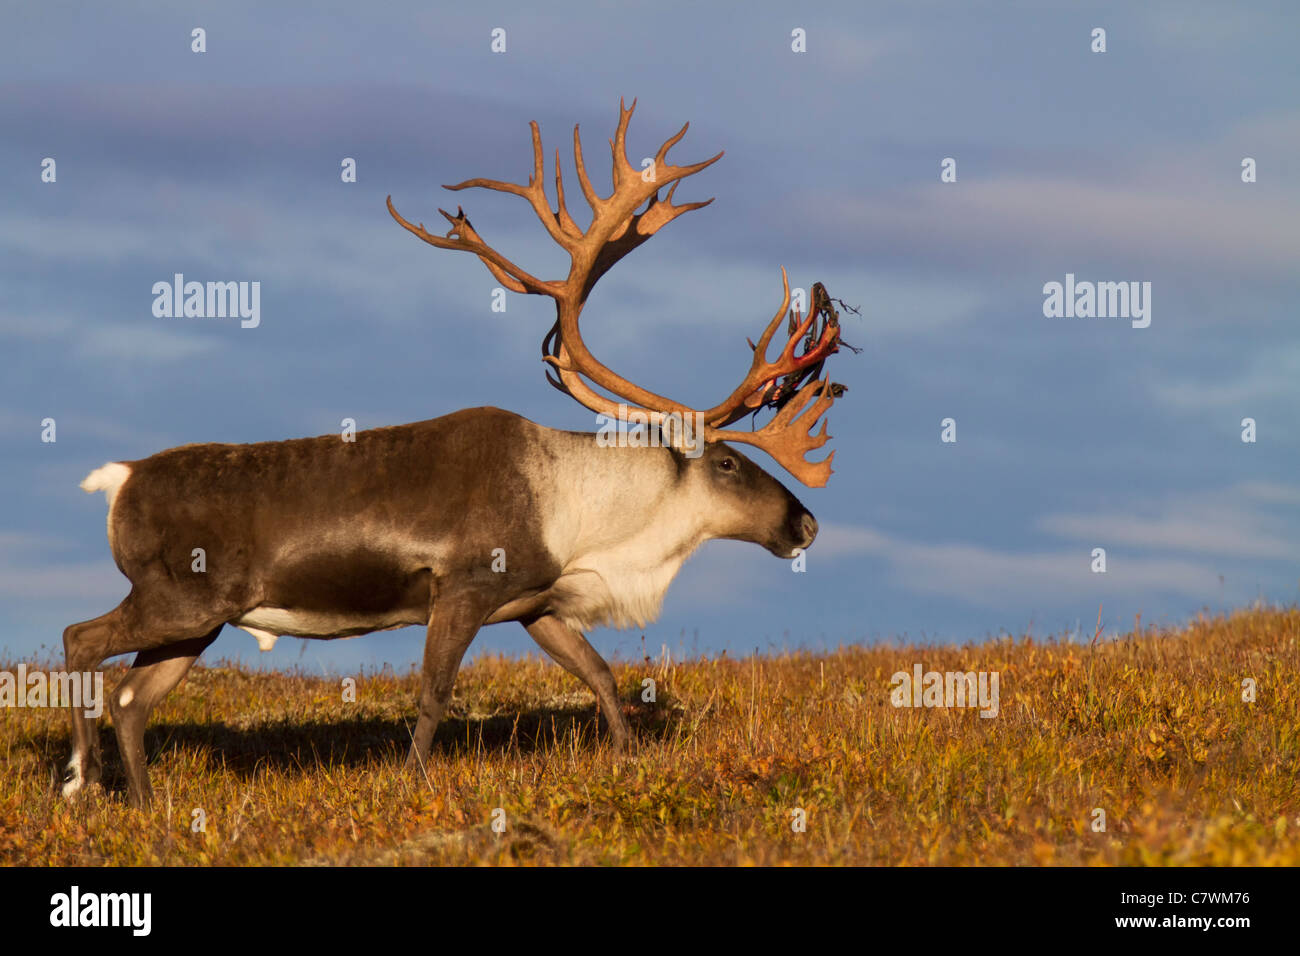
(286,745)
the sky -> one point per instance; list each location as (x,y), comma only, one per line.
(1071,433)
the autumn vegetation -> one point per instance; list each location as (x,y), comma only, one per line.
(1152,728)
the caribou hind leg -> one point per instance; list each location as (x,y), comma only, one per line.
(153,675)
(86,645)
(164,639)
(571,651)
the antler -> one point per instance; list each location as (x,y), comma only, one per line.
(616,229)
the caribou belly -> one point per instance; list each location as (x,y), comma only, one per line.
(267,624)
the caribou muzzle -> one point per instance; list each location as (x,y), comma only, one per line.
(798,532)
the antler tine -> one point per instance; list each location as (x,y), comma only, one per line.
(589,191)
(787,436)
(463,236)
(612,216)
(566,221)
(762,372)
(534,192)
(669,143)
(760,350)
(618,145)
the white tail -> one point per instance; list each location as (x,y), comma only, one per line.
(106,478)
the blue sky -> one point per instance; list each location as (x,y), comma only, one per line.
(1072,433)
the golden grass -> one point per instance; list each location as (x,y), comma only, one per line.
(1151,728)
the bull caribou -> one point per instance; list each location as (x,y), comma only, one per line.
(325,538)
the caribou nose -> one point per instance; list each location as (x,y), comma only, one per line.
(808,525)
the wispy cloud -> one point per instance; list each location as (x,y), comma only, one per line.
(92,338)
(1270,375)
(31,569)
(21,426)
(1215,529)
(1177,545)
(1271,492)
(988,577)
(1038,220)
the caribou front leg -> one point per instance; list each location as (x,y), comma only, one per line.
(453,622)
(572,652)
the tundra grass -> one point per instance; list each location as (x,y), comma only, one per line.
(1141,750)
